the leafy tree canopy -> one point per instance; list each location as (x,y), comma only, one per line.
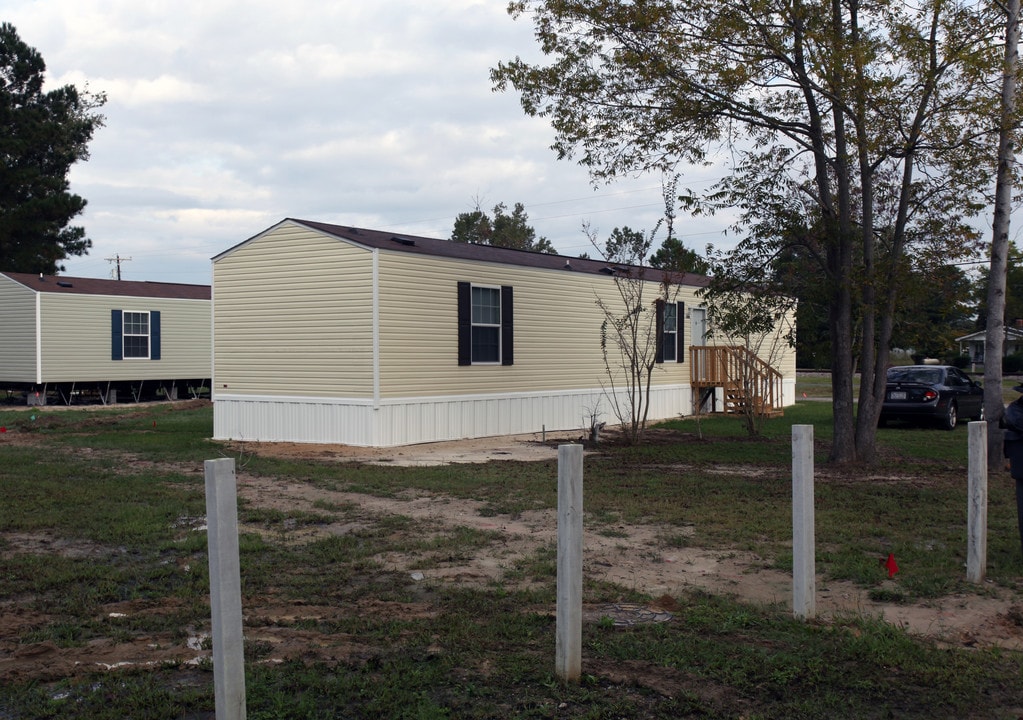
(673,255)
(500,229)
(632,247)
(933,310)
(42,134)
(861,132)
(1013,289)
(625,245)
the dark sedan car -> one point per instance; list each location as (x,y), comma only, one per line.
(931,392)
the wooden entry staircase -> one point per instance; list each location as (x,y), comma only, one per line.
(746,381)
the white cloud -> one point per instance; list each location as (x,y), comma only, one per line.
(226,116)
(135,92)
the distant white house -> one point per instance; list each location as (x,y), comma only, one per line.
(67,335)
(333,334)
(972,345)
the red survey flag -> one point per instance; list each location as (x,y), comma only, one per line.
(890,564)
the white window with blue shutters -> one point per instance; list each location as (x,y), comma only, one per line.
(135,334)
(485,328)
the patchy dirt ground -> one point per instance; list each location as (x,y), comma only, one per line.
(634,556)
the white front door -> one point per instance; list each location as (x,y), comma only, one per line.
(698,323)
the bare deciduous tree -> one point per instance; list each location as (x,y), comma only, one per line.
(629,334)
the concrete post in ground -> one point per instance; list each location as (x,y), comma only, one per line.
(976,516)
(569,630)
(225,589)
(804,592)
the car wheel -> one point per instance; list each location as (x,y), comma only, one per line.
(949,421)
(882,421)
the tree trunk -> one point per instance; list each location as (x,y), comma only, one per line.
(843,448)
(994,337)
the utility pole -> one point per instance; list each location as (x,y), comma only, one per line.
(118,260)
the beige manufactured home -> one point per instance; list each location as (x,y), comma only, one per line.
(331,334)
(67,336)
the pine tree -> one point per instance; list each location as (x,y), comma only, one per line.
(42,134)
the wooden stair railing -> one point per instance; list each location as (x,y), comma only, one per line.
(744,378)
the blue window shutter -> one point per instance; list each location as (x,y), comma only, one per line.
(464,324)
(507,327)
(154,334)
(680,329)
(116,339)
(659,329)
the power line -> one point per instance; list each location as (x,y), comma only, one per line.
(118,260)
(596,196)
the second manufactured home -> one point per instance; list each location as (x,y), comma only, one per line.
(65,336)
(332,334)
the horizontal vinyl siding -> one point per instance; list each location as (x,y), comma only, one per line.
(17,332)
(293,316)
(556,321)
(785,361)
(77,330)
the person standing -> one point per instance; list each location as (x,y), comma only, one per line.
(1012,422)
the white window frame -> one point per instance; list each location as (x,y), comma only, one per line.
(148,335)
(496,289)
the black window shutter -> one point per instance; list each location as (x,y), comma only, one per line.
(660,331)
(116,336)
(507,327)
(154,334)
(680,329)
(464,324)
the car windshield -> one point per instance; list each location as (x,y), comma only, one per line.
(926,376)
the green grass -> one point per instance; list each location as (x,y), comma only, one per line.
(103,509)
(165,432)
(486,656)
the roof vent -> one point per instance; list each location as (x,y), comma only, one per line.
(607,270)
(64,283)
(568,265)
(404,241)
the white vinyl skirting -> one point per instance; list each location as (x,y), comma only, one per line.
(407,421)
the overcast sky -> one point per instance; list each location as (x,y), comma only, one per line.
(225,117)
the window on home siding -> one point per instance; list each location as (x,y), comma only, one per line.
(485,334)
(486,325)
(136,334)
(670,338)
(670,334)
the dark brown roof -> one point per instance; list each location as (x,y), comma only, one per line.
(417,245)
(63,284)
